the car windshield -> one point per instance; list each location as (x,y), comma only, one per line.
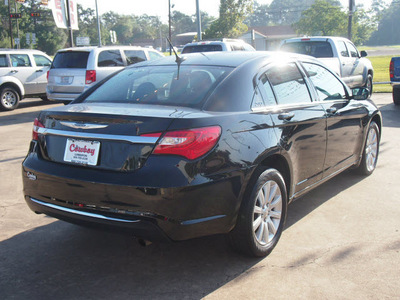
(70,59)
(316,49)
(159,85)
(202,48)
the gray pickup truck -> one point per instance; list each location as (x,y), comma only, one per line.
(339,54)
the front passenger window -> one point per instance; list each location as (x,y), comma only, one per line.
(327,85)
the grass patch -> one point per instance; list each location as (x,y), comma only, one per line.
(381,73)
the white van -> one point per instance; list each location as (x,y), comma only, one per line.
(76,69)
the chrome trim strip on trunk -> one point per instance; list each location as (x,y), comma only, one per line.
(77,125)
(82,213)
(86,135)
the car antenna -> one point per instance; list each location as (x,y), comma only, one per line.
(178,59)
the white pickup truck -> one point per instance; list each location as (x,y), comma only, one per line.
(339,54)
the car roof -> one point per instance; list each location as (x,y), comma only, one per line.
(91,48)
(221,58)
(21,50)
(315,38)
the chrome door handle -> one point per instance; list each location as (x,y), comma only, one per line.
(13,71)
(331,110)
(39,70)
(286,116)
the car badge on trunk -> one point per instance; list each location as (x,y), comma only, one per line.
(83,125)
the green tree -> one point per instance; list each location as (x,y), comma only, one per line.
(322,18)
(260,16)
(232,14)
(287,12)
(387,32)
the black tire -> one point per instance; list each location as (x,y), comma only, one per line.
(370,151)
(9,98)
(44,98)
(270,215)
(369,84)
(396,95)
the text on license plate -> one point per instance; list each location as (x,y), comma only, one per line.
(82,152)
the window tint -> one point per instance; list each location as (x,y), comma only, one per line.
(70,59)
(202,48)
(110,58)
(154,55)
(266,90)
(352,49)
(327,85)
(237,47)
(41,61)
(20,60)
(316,49)
(134,56)
(288,84)
(158,85)
(342,49)
(3,61)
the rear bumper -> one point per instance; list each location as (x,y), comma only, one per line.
(111,200)
(62,96)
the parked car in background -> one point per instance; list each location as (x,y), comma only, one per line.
(223,45)
(22,74)
(74,70)
(222,148)
(339,54)
(394,71)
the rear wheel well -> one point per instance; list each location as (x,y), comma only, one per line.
(12,85)
(279,163)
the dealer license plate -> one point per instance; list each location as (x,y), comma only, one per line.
(82,152)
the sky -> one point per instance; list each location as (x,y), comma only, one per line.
(160,7)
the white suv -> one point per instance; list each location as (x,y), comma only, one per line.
(223,45)
(22,74)
(74,70)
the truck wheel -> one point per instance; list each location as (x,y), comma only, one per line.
(9,98)
(396,95)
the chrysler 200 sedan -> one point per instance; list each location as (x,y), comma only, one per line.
(208,143)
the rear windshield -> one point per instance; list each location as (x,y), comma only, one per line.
(202,48)
(316,49)
(70,59)
(159,85)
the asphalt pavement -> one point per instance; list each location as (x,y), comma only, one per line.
(341,241)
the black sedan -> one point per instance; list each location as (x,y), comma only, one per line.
(204,144)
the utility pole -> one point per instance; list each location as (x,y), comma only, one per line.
(98,24)
(169,25)
(350,24)
(9,18)
(71,37)
(199,37)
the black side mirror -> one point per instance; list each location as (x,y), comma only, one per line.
(360,94)
(363,53)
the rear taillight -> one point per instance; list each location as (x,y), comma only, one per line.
(36,126)
(47,76)
(391,69)
(189,143)
(90,76)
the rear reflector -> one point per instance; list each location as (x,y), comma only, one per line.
(90,76)
(189,143)
(36,126)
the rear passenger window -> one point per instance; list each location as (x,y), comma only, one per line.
(110,58)
(41,61)
(154,55)
(288,84)
(134,56)
(327,85)
(20,60)
(266,91)
(3,61)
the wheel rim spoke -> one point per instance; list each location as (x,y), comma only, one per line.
(267,212)
(371,149)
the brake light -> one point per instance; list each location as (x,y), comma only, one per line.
(190,143)
(47,76)
(391,69)
(35,131)
(90,76)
